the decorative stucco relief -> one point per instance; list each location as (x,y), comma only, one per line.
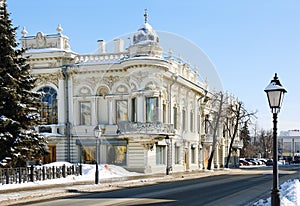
(47,78)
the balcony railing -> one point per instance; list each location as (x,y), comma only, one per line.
(106,57)
(145,128)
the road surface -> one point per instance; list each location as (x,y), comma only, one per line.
(223,190)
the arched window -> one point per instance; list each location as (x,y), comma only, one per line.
(49,105)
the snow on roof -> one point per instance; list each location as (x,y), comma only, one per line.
(290,133)
(47,50)
(46,134)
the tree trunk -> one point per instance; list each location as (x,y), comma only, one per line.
(210,159)
(215,129)
(229,153)
(235,131)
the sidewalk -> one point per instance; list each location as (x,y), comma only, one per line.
(32,193)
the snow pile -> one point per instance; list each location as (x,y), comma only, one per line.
(289,192)
(88,174)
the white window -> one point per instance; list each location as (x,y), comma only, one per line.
(198,124)
(192,121)
(175,117)
(85,113)
(160,155)
(151,109)
(193,155)
(177,155)
(133,110)
(183,120)
(122,110)
(164,113)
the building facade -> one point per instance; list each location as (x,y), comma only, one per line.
(289,145)
(135,107)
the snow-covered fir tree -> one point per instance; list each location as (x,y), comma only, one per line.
(19,105)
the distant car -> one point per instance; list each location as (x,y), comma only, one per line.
(269,162)
(244,163)
(263,161)
(296,161)
(253,161)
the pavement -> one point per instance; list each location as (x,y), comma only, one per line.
(34,193)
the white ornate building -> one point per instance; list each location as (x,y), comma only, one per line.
(289,145)
(137,96)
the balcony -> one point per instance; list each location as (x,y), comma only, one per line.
(238,144)
(207,139)
(126,127)
(54,129)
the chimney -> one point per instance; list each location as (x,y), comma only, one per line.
(101,46)
(118,45)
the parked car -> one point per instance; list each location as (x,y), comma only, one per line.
(253,161)
(297,161)
(263,161)
(269,162)
(244,163)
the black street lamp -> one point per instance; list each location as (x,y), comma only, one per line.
(275,93)
(168,149)
(98,133)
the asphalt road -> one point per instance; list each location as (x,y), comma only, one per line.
(230,189)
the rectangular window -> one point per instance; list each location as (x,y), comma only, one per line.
(183,120)
(133,110)
(116,154)
(175,117)
(164,113)
(198,124)
(287,147)
(206,124)
(151,109)
(88,154)
(177,155)
(85,113)
(160,155)
(122,110)
(192,121)
(193,155)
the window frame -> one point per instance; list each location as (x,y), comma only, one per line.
(122,117)
(82,120)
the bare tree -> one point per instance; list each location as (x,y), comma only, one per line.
(218,101)
(265,143)
(236,115)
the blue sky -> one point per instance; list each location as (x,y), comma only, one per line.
(247,40)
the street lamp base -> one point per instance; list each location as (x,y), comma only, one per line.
(275,197)
(97,174)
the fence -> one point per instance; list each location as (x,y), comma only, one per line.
(38,173)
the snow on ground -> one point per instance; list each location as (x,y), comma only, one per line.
(290,195)
(88,174)
(290,191)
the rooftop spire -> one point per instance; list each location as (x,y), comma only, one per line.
(146,16)
(24,32)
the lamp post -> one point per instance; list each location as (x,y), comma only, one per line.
(98,133)
(168,163)
(275,93)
